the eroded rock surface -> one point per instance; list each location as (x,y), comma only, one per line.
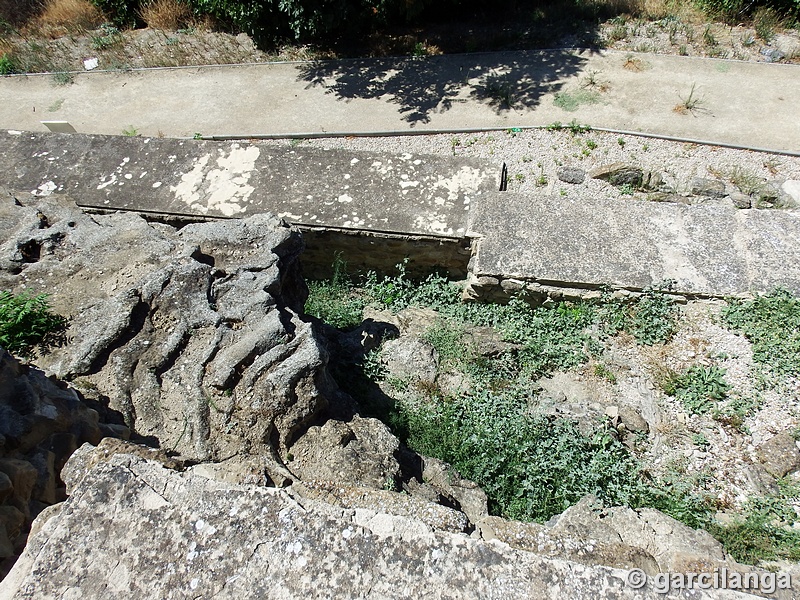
(193,334)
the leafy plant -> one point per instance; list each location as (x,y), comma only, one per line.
(130,132)
(576,128)
(501,91)
(447,338)
(602,371)
(400,291)
(652,319)
(372,366)
(110,37)
(678,495)
(123,13)
(699,388)
(708,37)
(765,21)
(626,189)
(26,323)
(541,179)
(532,468)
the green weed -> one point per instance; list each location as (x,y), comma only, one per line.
(708,37)
(678,494)
(571,101)
(447,338)
(764,531)
(63,78)
(699,388)
(772,325)
(651,319)
(691,103)
(335,301)
(626,189)
(400,291)
(532,468)
(765,22)
(602,371)
(110,37)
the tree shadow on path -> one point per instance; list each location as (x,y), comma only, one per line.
(429,85)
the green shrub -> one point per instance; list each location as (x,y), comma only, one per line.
(26,323)
(653,318)
(650,319)
(734,10)
(7,65)
(305,20)
(122,13)
(772,324)
(258,19)
(678,495)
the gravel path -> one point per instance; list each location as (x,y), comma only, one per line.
(534,157)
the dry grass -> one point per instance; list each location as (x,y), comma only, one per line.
(166,14)
(59,17)
(637,65)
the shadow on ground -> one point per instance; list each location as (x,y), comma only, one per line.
(427,85)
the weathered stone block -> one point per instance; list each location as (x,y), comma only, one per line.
(618,174)
(711,188)
(779,455)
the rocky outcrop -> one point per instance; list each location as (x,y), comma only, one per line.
(145,531)
(194,334)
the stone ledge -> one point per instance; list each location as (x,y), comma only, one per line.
(410,194)
(709,250)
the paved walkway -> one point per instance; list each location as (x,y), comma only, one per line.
(751,104)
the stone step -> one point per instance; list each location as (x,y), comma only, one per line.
(357,191)
(710,250)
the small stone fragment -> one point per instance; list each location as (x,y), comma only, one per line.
(741,200)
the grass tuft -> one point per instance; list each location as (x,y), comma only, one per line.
(166,14)
(60,17)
